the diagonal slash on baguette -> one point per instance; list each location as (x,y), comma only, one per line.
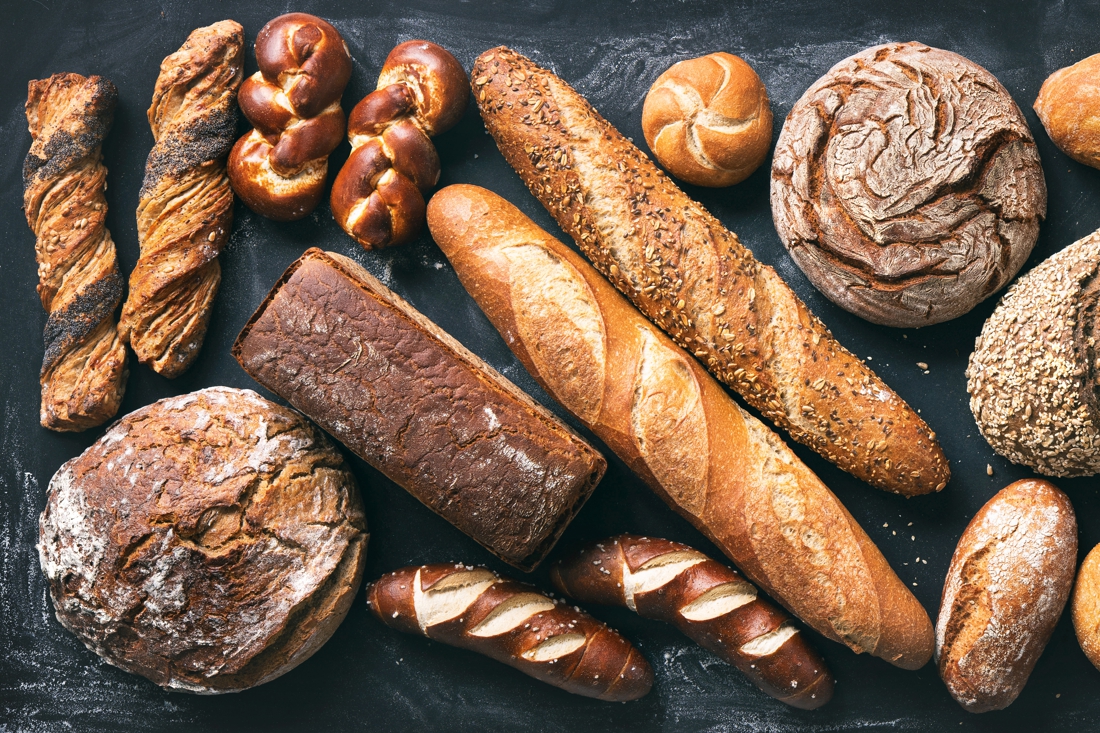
(692,277)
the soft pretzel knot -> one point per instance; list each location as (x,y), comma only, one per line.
(378,197)
(279,168)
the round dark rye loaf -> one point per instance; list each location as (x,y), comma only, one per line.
(209,542)
(907,186)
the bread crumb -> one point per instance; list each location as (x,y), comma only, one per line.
(988,469)
(922,365)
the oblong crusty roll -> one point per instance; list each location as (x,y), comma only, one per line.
(1006,587)
(474,608)
(660,411)
(709,602)
(692,277)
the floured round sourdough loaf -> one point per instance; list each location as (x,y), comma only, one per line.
(210,542)
(907,186)
(1034,376)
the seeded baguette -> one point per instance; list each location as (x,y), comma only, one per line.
(1006,587)
(511,622)
(692,277)
(677,428)
(711,603)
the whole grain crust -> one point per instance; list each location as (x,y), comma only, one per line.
(1034,376)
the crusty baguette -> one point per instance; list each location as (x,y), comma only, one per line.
(664,415)
(473,608)
(706,600)
(692,277)
(1006,587)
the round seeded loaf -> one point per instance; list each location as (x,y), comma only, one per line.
(1034,375)
(209,542)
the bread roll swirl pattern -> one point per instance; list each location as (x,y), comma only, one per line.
(185,207)
(1034,376)
(675,427)
(279,167)
(708,602)
(907,186)
(83,372)
(692,277)
(473,608)
(378,196)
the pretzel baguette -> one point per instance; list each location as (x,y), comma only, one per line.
(278,169)
(660,411)
(473,608)
(378,196)
(692,277)
(709,602)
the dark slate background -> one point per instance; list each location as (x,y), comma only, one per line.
(368,677)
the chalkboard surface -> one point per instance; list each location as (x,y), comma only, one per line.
(369,677)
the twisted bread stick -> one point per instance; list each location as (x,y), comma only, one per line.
(186,206)
(83,371)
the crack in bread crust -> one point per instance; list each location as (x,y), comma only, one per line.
(209,542)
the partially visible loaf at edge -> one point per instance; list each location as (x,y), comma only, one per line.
(209,542)
(418,406)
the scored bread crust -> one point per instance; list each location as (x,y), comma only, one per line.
(1034,376)
(209,542)
(692,277)
(1006,587)
(677,428)
(1085,606)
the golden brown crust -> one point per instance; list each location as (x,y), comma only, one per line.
(209,542)
(1085,606)
(693,278)
(675,426)
(1069,108)
(185,209)
(83,373)
(708,120)
(1006,587)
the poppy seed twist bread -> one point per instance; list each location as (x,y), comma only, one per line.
(83,371)
(186,205)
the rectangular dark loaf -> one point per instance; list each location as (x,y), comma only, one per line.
(418,406)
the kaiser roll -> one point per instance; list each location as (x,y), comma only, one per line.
(707,120)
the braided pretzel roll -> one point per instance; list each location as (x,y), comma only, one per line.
(185,206)
(711,603)
(511,622)
(83,371)
(278,169)
(378,197)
